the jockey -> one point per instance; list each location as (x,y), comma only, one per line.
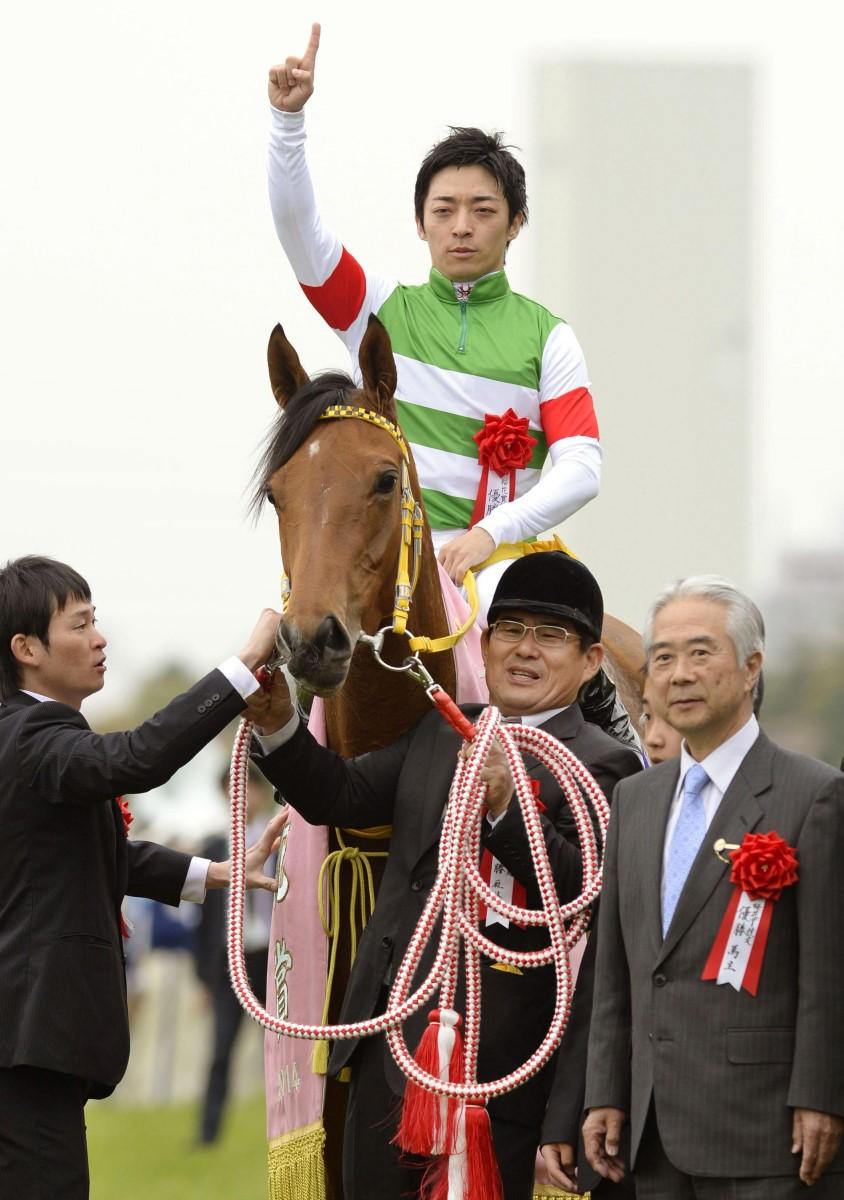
(489,382)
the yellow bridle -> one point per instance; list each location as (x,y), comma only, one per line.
(410,546)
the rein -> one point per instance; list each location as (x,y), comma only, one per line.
(410,546)
(455,895)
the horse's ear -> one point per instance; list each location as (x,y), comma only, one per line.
(378,366)
(287,374)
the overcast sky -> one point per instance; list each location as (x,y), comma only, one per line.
(140,274)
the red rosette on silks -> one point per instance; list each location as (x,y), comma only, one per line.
(762,867)
(504,447)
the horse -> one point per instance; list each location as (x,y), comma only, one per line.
(338,487)
(335,488)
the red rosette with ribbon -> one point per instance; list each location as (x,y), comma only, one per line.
(762,867)
(125,812)
(504,447)
(127,817)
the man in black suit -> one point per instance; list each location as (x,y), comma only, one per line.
(543,643)
(66,862)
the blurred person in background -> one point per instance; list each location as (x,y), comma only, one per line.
(661,740)
(66,861)
(211,956)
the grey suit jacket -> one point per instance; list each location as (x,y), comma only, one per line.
(724,1068)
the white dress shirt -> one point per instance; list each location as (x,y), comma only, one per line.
(721,766)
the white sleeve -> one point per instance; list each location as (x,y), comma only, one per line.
(572,481)
(271,741)
(239,676)
(312,249)
(338,287)
(193,889)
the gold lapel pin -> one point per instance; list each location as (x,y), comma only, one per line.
(719,848)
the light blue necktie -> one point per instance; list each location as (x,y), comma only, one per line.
(688,835)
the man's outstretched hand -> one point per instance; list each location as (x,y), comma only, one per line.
(291,84)
(219,873)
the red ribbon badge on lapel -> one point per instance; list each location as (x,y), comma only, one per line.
(501,881)
(504,447)
(127,818)
(125,812)
(763,865)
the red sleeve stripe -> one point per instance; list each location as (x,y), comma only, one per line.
(570,415)
(338,301)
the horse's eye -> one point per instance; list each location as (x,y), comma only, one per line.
(271,499)
(386,483)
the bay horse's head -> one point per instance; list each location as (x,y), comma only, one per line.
(335,487)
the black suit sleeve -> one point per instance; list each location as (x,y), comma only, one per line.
(156,872)
(64,761)
(613,767)
(564,1114)
(329,790)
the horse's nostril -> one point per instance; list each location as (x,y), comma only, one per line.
(332,638)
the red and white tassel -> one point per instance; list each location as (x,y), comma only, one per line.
(471,1170)
(428,1123)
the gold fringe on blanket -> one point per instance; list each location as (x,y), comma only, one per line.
(546,1192)
(295,1164)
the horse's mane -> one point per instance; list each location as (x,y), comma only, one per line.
(293,424)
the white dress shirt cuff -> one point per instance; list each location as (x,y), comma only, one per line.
(239,676)
(271,741)
(193,888)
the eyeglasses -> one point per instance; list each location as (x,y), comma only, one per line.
(550,637)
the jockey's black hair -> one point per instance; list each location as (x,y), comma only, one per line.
(293,424)
(467,146)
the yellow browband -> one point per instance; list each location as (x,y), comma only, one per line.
(412,524)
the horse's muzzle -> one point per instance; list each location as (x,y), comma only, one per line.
(321,663)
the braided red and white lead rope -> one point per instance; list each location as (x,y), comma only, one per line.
(453,900)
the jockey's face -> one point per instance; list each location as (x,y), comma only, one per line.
(466,223)
(524,677)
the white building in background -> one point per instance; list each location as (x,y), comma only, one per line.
(804,609)
(644,219)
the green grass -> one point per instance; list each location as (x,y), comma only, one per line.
(147,1154)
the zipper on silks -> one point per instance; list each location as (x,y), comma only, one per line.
(464,326)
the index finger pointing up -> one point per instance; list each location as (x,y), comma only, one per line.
(309,57)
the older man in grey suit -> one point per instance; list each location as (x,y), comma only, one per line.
(732,1092)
